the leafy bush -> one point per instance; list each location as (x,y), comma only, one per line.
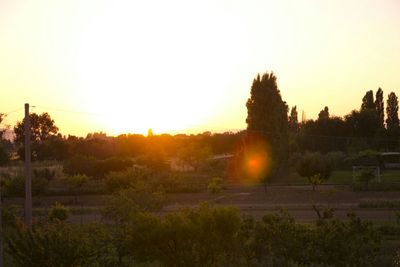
(79,164)
(388,204)
(338,160)
(116,181)
(15,186)
(125,203)
(315,167)
(49,244)
(58,212)
(10,215)
(46,173)
(76,182)
(366,176)
(365,158)
(215,186)
(202,236)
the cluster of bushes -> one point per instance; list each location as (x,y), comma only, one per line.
(167,181)
(202,236)
(14,185)
(95,168)
(339,160)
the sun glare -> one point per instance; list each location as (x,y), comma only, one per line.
(161,71)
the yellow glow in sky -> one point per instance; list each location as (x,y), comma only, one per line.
(179,66)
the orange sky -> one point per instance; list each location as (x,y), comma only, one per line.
(178,66)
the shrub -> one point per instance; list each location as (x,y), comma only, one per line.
(366,176)
(76,182)
(116,181)
(202,236)
(49,244)
(79,164)
(215,185)
(58,212)
(46,173)
(315,167)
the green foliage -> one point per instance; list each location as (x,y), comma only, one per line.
(194,155)
(10,215)
(15,186)
(203,236)
(4,154)
(278,241)
(324,114)
(43,128)
(76,182)
(215,185)
(323,135)
(379,107)
(47,245)
(125,203)
(365,158)
(58,212)
(275,241)
(388,204)
(315,167)
(267,117)
(392,109)
(116,181)
(363,123)
(366,176)
(368,101)
(93,167)
(79,164)
(47,173)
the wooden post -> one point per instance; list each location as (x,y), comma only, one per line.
(1,231)
(28,170)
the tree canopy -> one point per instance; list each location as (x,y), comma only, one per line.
(267,117)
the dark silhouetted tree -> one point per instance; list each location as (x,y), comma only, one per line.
(324,114)
(368,101)
(379,107)
(293,120)
(392,108)
(42,129)
(362,123)
(4,154)
(323,135)
(267,117)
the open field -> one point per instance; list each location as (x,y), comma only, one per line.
(251,200)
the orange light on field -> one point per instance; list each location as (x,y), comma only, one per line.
(257,164)
(252,162)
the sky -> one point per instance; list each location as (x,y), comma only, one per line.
(187,66)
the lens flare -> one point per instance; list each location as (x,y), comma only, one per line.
(252,163)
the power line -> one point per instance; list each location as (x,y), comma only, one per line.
(12,111)
(70,111)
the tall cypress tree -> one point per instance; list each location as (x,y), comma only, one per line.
(324,114)
(379,107)
(368,101)
(293,120)
(392,109)
(267,117)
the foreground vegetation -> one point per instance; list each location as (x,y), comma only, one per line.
(203,236)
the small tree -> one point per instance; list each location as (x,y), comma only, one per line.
(75,183)
(366,176)
(215,186)
(58,212)
(315,167)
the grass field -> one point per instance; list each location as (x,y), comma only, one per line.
(340,177)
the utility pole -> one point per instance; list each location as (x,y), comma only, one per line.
(1,230)
(28,170)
